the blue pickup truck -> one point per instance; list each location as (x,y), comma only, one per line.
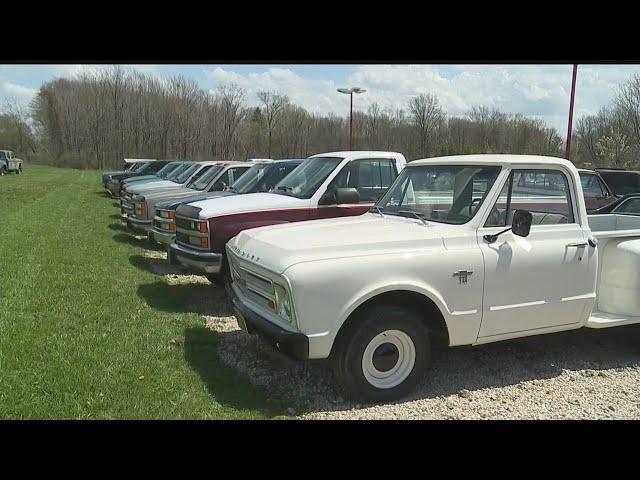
(9,162)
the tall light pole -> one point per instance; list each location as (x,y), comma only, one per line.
(573,95)
(350,92)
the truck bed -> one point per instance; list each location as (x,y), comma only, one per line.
(618,283)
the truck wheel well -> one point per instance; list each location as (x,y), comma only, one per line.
(423,305)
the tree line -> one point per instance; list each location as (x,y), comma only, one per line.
(96,119)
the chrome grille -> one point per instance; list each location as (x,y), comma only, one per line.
(254,286)
(188,227)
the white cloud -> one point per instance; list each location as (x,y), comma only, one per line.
(18,92)
(541,91)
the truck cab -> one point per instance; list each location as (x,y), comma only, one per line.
(9,163)
(261,177)
(328,185)
(469,249)
(218,177)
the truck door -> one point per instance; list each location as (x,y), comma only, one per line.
(546,279)
(371,177)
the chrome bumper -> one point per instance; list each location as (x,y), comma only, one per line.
(161,236)
(206,262)
(137,224)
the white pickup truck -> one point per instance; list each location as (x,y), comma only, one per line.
(473,249)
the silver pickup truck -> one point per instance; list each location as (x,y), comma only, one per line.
(9,163)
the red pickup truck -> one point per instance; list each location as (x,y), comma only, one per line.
(326,185)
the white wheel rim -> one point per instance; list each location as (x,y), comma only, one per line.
(406,358)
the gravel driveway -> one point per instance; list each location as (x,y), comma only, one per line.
(583,374)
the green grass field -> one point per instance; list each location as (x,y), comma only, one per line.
(85,331)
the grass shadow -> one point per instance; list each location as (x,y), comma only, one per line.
(222,382)
(115,216)
(129,238)
(158,266)
(200,298)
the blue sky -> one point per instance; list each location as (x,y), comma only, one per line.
(537,90)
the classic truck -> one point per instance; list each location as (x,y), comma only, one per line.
(149,168)
(130,165)
(262,177)
(336,184)
(597,194)
(219,176)
(182,176)
(165,173)
(9,163)
(471,249)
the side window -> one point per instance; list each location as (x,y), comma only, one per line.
(603,187)
(544,193)
(629,206)
(591,186)
(235,174)
(202,171)
(224,180)
(371,177)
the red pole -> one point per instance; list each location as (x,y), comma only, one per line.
(573,94)
(351,120)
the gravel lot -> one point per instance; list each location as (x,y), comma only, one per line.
(584,374)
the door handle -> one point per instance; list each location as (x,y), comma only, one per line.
(578,244)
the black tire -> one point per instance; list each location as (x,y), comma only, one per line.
(19,170)
(351,346)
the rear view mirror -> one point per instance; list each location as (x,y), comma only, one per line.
(347,195)
(521,224)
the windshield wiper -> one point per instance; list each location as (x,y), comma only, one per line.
(417,215)
(377,209)
(284,189)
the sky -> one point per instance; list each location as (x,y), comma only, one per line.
(540,91)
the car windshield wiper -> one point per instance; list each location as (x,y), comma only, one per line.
(284,189)
(417,215)
(376,208)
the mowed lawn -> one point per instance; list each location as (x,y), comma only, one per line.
(84,333)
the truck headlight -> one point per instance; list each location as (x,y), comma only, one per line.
(283,303)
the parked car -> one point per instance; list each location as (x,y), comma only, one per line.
(262,177)
(149,168)
(327,185)
(627,205)
(184,178)
(460,248)
(622,182)
(597,193)
(163,174)
(9,163)
(130,165)
(221,175)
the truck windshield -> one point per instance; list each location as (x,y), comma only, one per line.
(167,169)
(206,179)
(181,168)
(3,156)
(186,174)
(439,193)
(305,180)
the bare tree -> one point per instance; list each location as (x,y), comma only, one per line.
(427,115)
(273,105)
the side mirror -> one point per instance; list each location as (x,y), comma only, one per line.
(521,224)
(347,195)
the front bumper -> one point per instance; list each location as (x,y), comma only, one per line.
(293,344)
(162,237)
(205,262)
(138,225)
(114,188)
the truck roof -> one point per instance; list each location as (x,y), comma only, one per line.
(493,159)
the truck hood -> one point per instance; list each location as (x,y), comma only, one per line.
(279,247)
(140,179)
(250,202)
(146,187)
(172,204)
